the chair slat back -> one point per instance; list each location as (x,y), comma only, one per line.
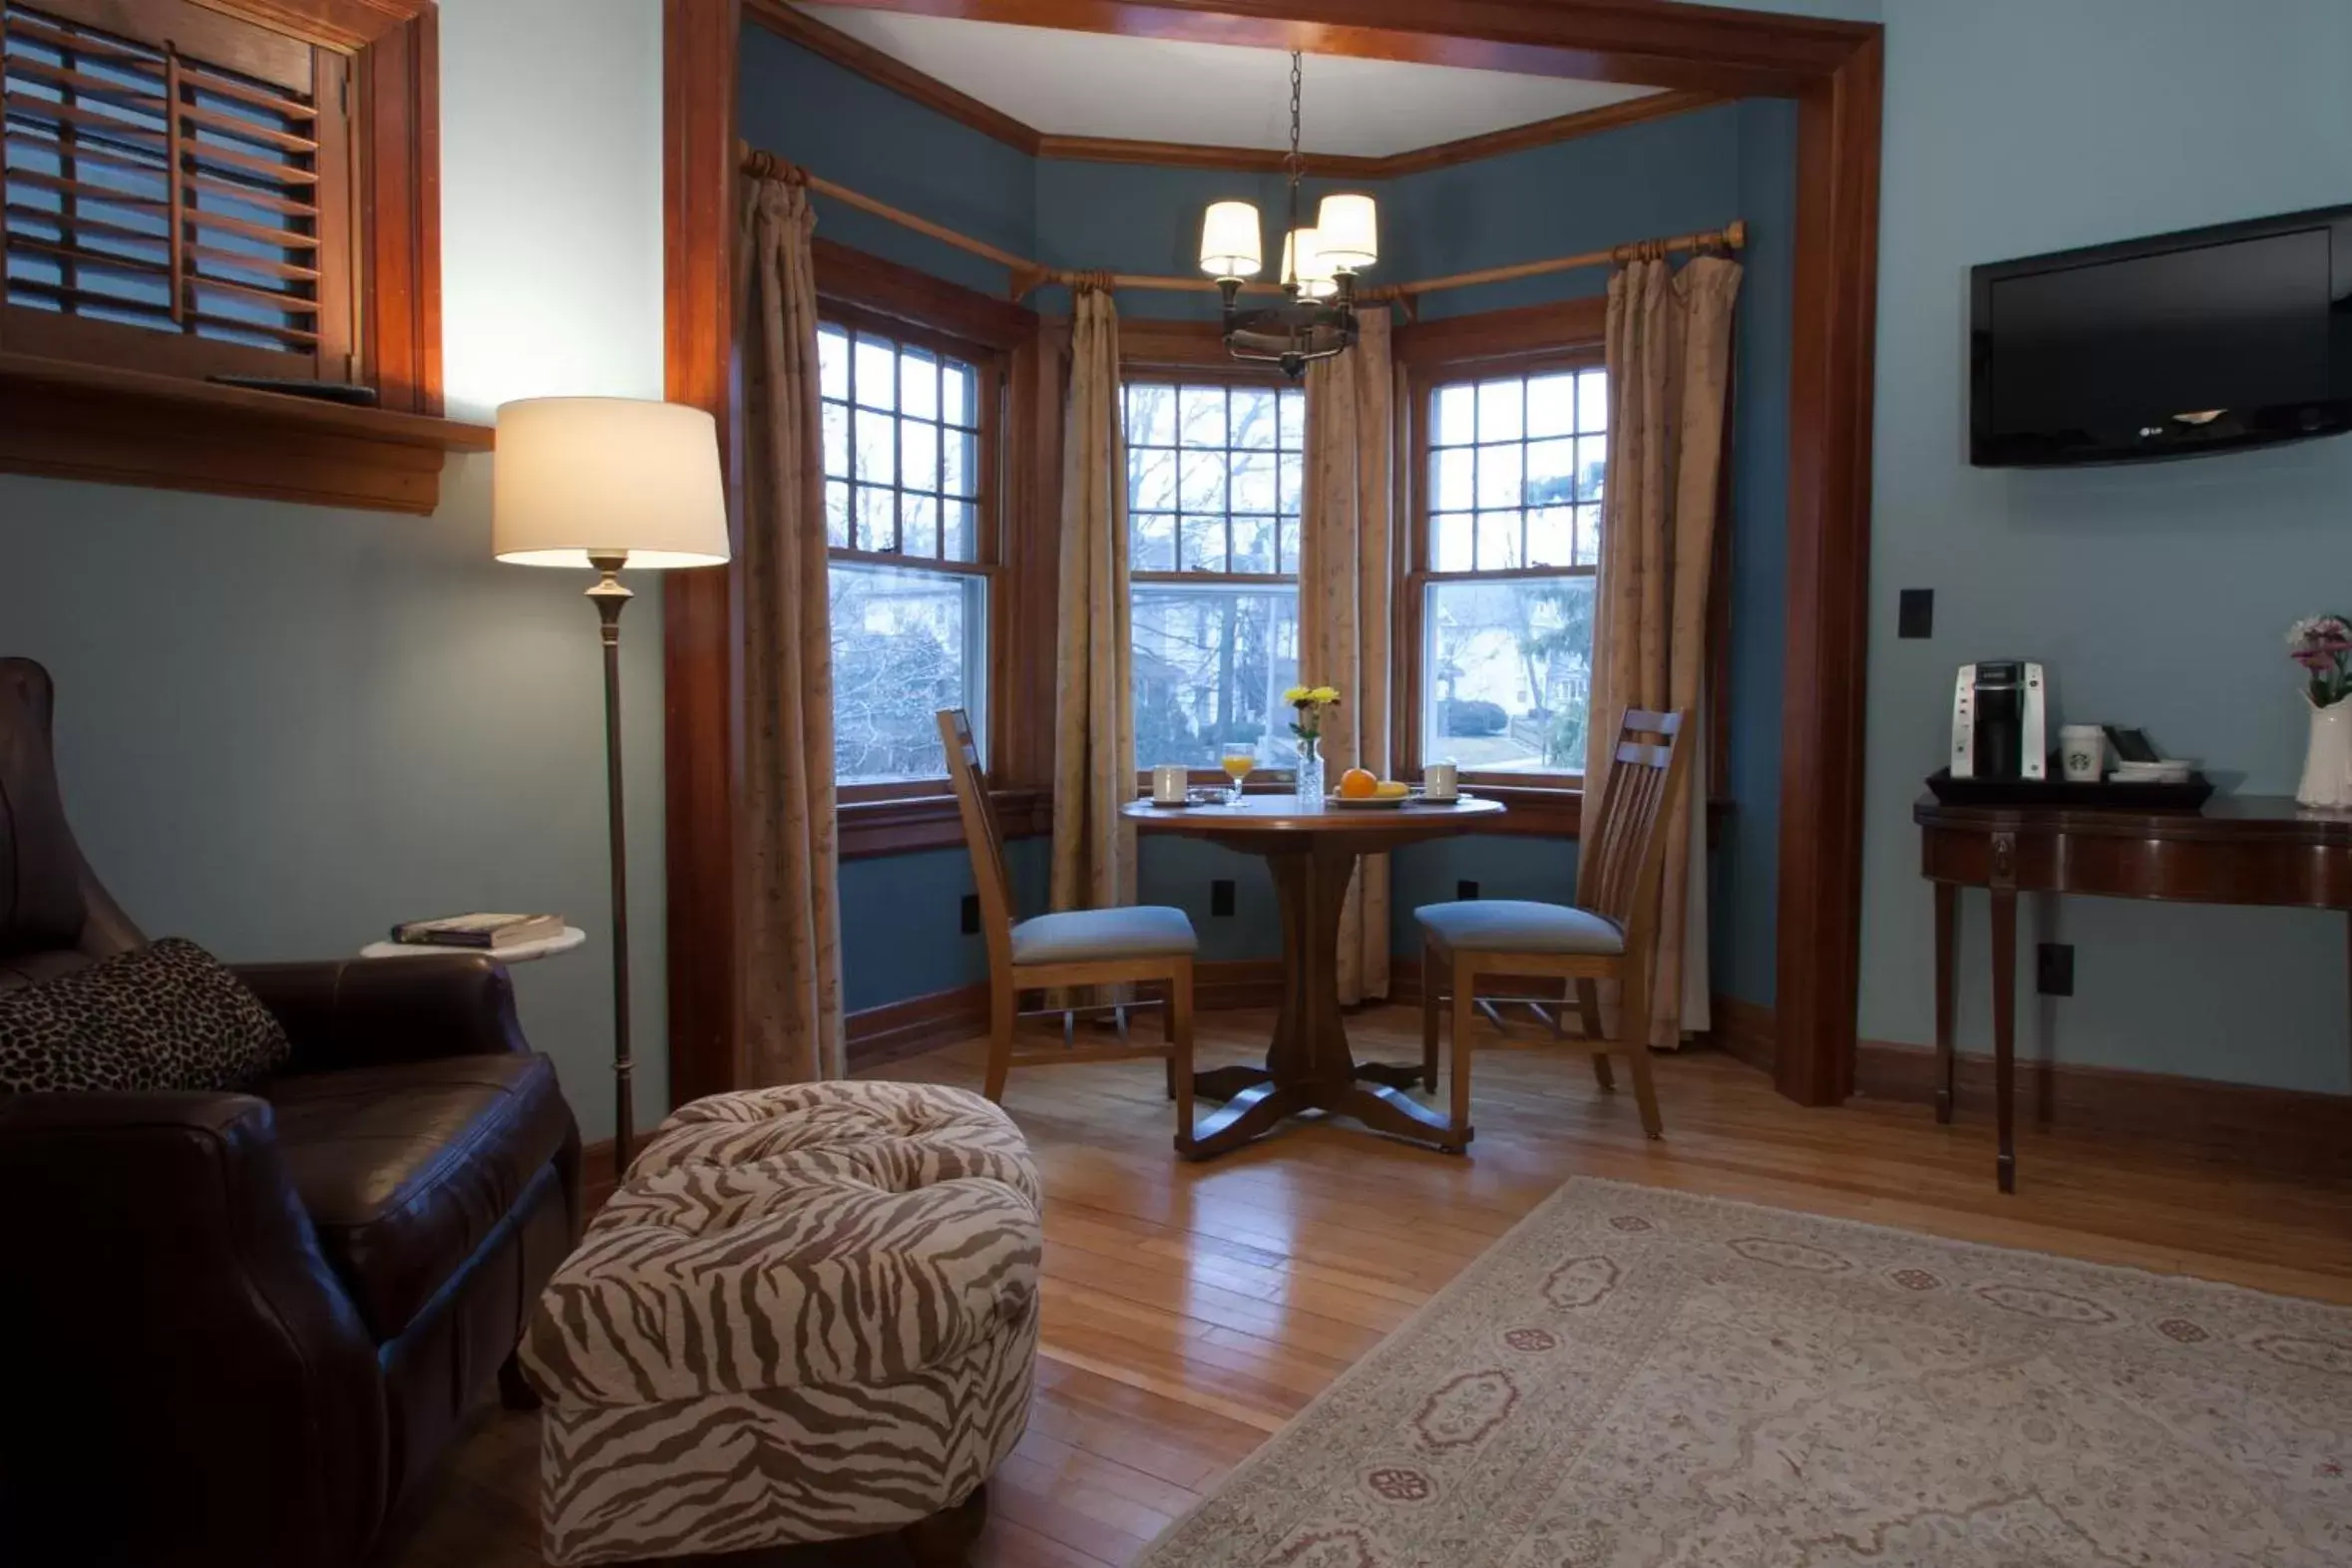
(1626,830)
(980,833)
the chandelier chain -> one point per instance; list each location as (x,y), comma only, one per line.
(1296,163)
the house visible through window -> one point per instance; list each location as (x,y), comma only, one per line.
(906,429)
(1512,509)
(179,193)
(1214,476)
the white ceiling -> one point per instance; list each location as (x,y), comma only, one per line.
(1214,94)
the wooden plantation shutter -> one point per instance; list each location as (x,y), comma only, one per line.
(179,192)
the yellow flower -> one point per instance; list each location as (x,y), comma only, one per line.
(1324,695)
(1295,696)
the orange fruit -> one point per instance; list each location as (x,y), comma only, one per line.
(1356,784)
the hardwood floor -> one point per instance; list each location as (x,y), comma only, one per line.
(1190,1310)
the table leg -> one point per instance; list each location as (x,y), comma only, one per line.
(2005,1031)
(1947,909)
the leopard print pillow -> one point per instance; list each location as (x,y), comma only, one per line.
(164,1016)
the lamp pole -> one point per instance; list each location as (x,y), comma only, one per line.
(610,597)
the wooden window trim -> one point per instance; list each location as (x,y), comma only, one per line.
(70,419)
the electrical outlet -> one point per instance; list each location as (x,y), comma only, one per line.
(1465,891)
(1915,612)
(1220,896)
(972,914)
(2053,969)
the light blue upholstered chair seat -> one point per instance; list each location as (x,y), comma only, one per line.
(1520,926)
(1081,936)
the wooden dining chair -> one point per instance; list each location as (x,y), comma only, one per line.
(1147,945)
(1610,932)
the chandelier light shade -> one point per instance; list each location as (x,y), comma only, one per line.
(1317,316)
(1230,240)
(1347,232)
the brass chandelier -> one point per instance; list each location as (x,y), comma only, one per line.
(1317,316)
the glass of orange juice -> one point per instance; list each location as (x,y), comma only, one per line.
(1240,757)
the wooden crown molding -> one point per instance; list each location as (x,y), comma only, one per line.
(338,24)
(921,88)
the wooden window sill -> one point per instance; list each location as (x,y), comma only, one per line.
(910,822)
(130,426)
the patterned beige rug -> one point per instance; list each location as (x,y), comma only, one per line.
(1643,1377)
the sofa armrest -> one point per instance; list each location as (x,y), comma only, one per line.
(368,1012)
(186,1343)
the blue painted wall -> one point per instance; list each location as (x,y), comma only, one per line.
(1673,175)
(2158,594)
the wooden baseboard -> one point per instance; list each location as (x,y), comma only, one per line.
(1745,1029)
(898,1029)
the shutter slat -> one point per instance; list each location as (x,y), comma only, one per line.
(148,100)
(84,224)
(291,304)
(290,205)
(76,41)
(195,75)
(250,263)
(70,121)
(223,158)
(128,159)
(73,298)
(83,190)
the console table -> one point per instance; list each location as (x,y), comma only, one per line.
(2244,849)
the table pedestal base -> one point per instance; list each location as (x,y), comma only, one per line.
(1308,1066)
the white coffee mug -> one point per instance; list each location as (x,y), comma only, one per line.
(1168,782)
(1440,781)
(2083,749)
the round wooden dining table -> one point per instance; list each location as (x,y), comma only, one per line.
(1308,1067)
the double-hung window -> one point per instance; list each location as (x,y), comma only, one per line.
(1214,470)
(1514,466)
(908,425)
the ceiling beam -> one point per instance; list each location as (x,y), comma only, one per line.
(1694,47)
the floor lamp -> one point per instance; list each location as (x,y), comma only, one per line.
(607,482)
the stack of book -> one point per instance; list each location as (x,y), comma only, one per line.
(479,933)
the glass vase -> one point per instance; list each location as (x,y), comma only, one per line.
(1310,783)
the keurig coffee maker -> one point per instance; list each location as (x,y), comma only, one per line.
(1999,723)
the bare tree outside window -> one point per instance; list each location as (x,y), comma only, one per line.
(902,436)
(1215,472)
(1517,471)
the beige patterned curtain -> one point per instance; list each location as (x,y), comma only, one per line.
(1669,359)
(1344,598)
(1095,727)
(789,934)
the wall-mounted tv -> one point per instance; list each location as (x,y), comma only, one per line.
(2233,336)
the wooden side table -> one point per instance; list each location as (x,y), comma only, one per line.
(521,953)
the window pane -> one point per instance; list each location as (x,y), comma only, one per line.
(876,518)
(1202,412)
(1294,483)
(958,393)
(1294,421)
(1592,402)
(905,644)
(1551,536)
(919,525)
(919,454)
(837,532)
(878,462)
(1498,475)
(1211,663)
(918,384)
(1151,479)
(1551,405)
(1452,479)
(1507,671)
(961,521)
(1151,542)
(1204,545)
(1498,541)
(1588,536)
(1592,466)
(1255,422)
(1204,480)
(1253,545)
(1287,538)
(1152,415)
(1449,542)
(960,468)
(1551,474)
(1458,416)
(832,363)
(1252,482)
(837,459)
(876,372)
(1498,410)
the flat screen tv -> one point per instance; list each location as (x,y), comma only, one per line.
(2235,336)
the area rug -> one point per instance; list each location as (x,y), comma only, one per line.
(1643,1377)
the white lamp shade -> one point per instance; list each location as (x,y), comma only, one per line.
(1348,229)
(1303,259)
(1229,240)
(579,476)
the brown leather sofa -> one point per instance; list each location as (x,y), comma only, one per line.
(237,1328)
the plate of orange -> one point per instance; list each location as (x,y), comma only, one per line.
(1360,790)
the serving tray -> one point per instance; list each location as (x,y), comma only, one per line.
(2107,794)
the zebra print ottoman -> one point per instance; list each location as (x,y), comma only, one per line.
(809,1313)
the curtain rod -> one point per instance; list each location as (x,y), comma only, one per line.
(1029,275)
